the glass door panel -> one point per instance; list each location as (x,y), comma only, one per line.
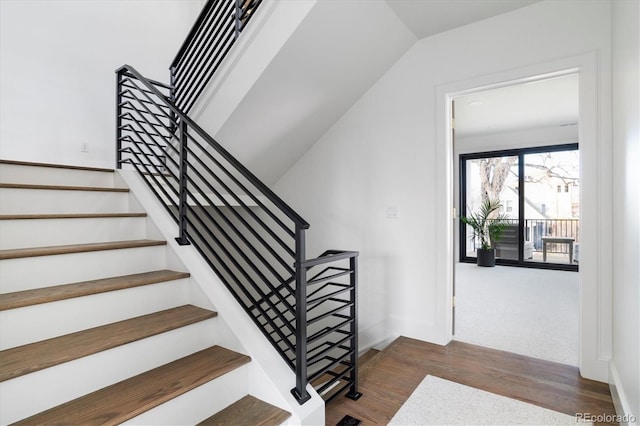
(494,178)
(552,207)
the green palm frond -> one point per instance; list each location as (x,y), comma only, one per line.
(487,223)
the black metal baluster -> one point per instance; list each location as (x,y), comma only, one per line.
(182,204)
(238,19)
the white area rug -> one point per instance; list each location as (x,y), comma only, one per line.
(440,402)
(532,312)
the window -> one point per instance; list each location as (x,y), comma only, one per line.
(543,224)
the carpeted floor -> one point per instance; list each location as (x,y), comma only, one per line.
(441,402)
(531,312)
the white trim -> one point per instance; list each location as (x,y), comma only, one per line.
(620,400)
(595,306)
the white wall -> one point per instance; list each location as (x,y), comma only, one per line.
(57,78)
(387,151)
(625,365)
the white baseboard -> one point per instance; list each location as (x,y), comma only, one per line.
(620,401)
(378,345)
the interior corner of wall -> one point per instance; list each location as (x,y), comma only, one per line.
(619,397)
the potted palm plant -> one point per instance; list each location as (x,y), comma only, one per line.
(488,225)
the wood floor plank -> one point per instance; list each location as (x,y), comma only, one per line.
(21,299)
(76,248)
(367,361)
(129,398)
(36,356)
(56,166)
(400,368)
(69,216)
(248,411)
(62,187)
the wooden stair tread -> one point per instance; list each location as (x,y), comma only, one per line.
(56,166)
(76,248)
(37,296)
(129,398)
(62,187)
(36,356)
(70,216)
(248,411)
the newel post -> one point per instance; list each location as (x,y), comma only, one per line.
(118,122)
(182,194)
(300,391)
(353,283)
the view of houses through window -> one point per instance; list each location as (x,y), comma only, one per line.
(539,192)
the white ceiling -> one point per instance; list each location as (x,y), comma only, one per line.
(543,103)
(428,17)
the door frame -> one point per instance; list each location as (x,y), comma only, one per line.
(595,201)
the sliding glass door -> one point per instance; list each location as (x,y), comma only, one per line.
(552,200)
(538,189)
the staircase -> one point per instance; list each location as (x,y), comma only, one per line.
(95,328)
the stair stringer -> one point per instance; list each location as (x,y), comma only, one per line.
(270,379)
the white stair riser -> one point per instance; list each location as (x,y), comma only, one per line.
(42,201)
(16,173)
(45,271)
(30,394)
(25,233)
(39,322)
(199,403)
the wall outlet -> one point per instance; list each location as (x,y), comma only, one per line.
(84,147)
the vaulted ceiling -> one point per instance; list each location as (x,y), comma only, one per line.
(428,17)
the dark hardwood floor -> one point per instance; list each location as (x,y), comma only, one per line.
(388,379)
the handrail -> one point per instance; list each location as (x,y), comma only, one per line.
(329,256)
(291,214)
(259,256)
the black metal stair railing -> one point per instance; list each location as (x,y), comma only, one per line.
(214,33)
(251,238)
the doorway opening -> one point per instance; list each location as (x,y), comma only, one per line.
(519,144)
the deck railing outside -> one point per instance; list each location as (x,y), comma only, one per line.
(535,229)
